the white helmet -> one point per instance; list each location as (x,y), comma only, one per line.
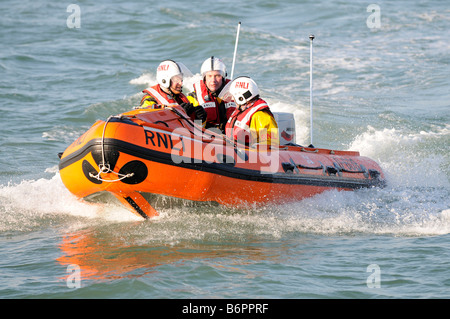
(168,69)
(243,89)
(213,64)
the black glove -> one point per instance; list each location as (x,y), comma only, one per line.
(222,126)
(200,113)
(188,108)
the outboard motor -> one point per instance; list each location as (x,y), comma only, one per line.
(286,127)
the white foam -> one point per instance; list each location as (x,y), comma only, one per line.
(50,197)
(395,211)
(446,214)
(148,79)
(410,158)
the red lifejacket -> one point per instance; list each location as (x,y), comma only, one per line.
(164,98)
(215,115)
(238,125)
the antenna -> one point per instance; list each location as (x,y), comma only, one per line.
(235,49)
(311,37)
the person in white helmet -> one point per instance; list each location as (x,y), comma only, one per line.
(252,121)
(206,93)
(168,90)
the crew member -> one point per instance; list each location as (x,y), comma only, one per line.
(206,93)
(167,92)
(252,121)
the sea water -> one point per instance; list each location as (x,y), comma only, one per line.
(381,87)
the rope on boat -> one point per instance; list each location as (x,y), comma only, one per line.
(104,168)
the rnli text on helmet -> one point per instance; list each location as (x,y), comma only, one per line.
(163,67)
(241,85)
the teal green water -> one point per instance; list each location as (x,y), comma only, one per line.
(382,90)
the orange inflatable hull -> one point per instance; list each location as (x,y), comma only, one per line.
(163,152)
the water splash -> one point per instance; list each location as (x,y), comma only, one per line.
(417,159)
(34,204)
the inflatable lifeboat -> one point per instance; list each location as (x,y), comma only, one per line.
(161,151)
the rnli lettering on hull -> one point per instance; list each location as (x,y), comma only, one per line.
(186,149)
(161,138)
(158,138)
